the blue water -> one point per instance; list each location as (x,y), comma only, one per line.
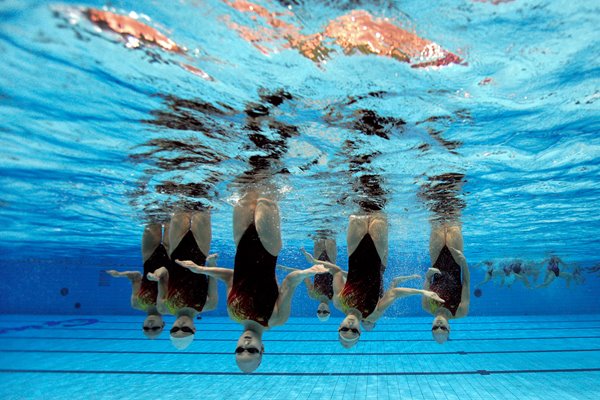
(100,137)
(489,358)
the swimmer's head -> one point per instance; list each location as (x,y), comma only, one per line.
(349,331)
(249,351)
(182,332)
(440,329)
(153,326)
(323,312)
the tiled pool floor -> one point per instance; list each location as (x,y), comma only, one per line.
(107,357)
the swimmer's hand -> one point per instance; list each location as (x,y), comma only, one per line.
(152,277)
(308,256)
(211,260)
(113,273)
(433,296)
(316,269)
(331,268)
(431,272)
(131,275)
(192,266)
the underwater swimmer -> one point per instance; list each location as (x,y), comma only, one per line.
(449,277)
(553,271)
(254,298)
(180,292)
(144,291)
(359,294)
(320,288)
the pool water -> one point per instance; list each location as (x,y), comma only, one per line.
(516,357)
(118,114)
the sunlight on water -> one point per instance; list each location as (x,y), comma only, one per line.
(112,117)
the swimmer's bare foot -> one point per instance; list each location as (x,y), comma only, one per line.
(152,277)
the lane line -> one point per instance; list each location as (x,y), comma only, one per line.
(206,373)
(303,340)
(345,354)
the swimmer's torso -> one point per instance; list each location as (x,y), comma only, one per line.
(254,291)
(553,266)
(323,283)
(186,289)
(146,295)
(448,285)
(364,284)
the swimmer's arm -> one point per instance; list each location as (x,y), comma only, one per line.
(339,281)
(283,306)
(391,295)
(561,262)
(465,296)
(212,299)
(161,276)
(307,281)
(223,274)
(136,281)
(288,269)
(425,304)
(310,288)
(211,260)
(331,268)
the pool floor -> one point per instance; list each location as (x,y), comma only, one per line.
(107,357)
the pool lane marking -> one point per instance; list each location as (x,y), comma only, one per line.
(328,331)
(301,340)
(452,353)
(399,321)
(207,373)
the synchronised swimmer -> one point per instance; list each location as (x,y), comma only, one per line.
(180,277)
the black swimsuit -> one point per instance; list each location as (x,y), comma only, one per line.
(254,291)
(186,289)
(448,285)
(149,289)
(323,283)
(364,286)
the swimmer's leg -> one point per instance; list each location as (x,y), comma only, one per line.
(243,214)
(357,229)
(268,225)
(151,240)
(378,229)
(179,226)
(201,228)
